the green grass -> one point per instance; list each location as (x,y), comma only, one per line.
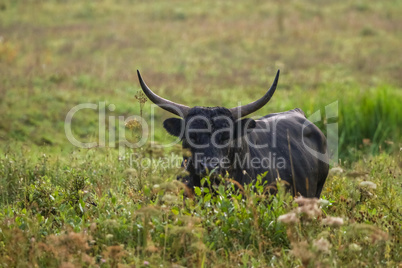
(199,55)
(96,210)
(61,206)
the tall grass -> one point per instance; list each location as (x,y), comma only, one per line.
(370,122)
(92,211)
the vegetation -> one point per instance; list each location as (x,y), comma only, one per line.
(92,211)
(65,206)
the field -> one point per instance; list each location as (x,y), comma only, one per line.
(64,206)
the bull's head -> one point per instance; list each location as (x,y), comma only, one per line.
(209,132)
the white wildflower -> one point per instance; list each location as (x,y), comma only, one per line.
(332,221)
(335,170)
(308,207)
(322,244)
(109,236)
(170,199)
(323,203)
(368,184)
(354,247)
(288,218)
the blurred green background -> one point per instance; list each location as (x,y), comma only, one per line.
(57,54)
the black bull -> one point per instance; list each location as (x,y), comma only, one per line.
(286,145)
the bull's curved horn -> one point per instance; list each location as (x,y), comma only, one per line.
(175,108)
(244,110)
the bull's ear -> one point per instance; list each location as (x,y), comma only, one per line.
(244,126)
(174,126)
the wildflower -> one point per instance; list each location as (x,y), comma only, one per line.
(151,248)
(146,263)
(115,253)
(141,97)
(308,207)
(323,203)
(332,221)
(300,250)
(354,247)
(109,236)
(311,211)
(288,218)
(335,170)
(170,199)
(302,201)
(368,184)
(322,244)
(133,124)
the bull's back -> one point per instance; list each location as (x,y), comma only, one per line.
(296,150)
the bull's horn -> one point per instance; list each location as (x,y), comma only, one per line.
(244,110)
(175,108)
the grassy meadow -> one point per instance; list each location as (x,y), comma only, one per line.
(64,206)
